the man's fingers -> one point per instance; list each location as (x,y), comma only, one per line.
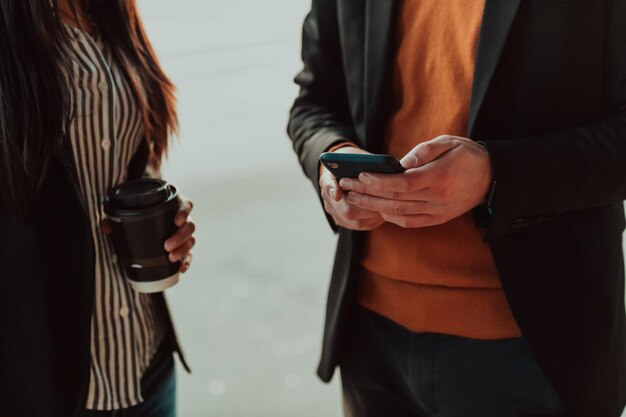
(343,211)
(351,212)
(329,195)
(363,225)
(384,185)
(349,184)
(383,191)
(401,183)
(352,217)
(427,152)
(413,221)
(385,206)
(329,186)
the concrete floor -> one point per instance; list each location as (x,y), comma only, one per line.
(250,311)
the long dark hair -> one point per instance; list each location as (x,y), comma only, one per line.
(34,95)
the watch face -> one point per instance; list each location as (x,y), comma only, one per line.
(490,197)
(481,215)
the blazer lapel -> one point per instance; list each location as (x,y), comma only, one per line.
(378,19)
(497,21)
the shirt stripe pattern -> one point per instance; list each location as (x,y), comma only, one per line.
(105,131)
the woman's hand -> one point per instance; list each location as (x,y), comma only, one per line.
(336,205)
(179,245)
(182,242)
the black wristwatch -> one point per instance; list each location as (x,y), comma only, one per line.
(482,214)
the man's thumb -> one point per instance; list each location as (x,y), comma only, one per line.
(409,161)
(427,152)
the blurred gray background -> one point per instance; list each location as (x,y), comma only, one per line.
(250,311)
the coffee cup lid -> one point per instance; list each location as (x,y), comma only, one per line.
(139,194)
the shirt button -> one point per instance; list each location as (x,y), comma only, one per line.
(106,144)
(124,311)
(103,86)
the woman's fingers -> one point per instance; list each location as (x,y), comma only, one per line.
(180,237)
(106,226)
(186,263)
(181,252)
(183,213)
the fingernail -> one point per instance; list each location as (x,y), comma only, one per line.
(346,183)
(332,193)
(169,244)
(352,199)
(365,178)
(409,162)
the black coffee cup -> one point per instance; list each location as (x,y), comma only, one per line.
(142,213)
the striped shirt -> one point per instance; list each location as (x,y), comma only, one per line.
(105,131)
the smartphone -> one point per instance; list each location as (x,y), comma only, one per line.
(350,165)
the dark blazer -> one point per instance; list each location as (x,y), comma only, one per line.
(47,288)
(549,101)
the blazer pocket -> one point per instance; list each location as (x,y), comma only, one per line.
(535,5)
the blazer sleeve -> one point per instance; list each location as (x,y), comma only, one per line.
(542,176)
(320,117)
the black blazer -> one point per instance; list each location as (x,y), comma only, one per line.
(46,293)
(549,100)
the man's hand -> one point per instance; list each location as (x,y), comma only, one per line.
(344,214)
(445,178)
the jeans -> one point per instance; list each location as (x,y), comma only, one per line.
(158,387)
(386,370)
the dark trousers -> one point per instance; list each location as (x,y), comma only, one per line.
(386,370)
(158,387)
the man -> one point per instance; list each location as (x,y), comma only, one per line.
(488,279)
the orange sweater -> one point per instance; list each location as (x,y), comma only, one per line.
(438,279)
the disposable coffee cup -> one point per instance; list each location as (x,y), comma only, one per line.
(142,213)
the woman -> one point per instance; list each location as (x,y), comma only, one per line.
(84,106)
